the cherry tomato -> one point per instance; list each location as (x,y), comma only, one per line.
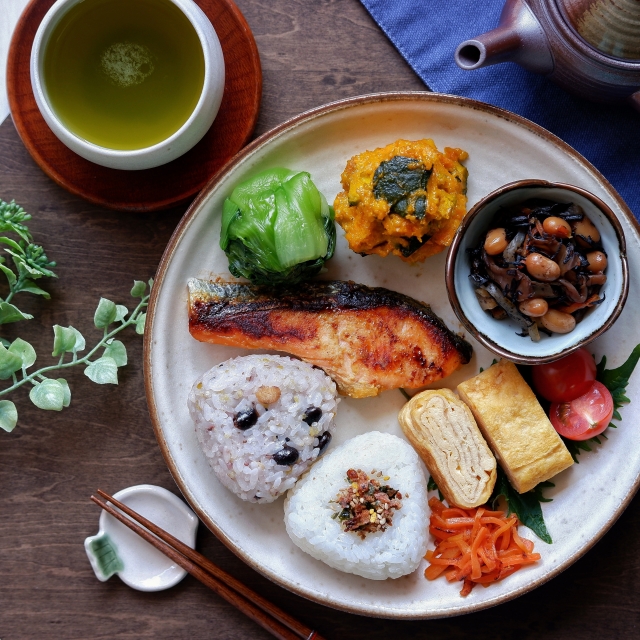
(567,378)
(586,416)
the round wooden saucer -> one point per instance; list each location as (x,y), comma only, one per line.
(151,189)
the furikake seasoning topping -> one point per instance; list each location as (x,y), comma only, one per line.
(366,505)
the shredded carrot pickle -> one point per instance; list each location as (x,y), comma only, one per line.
(475,545)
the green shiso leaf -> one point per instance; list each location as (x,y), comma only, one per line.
(616,380)
(525,505)
(277,228)
(432,486)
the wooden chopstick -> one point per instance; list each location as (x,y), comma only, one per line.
(266,614)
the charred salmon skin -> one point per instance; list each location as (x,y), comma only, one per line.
(367,339)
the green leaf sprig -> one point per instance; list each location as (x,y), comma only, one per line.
(53,394)
(616,380)
(432,486)
(525,505)
(29,261)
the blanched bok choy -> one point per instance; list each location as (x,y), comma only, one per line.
(277,228)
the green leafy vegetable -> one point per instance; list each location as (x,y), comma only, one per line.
(402,183)
(53,394)
(432,486)
(491,365)
(576,447)
(277,228)
(616,380)
(525,505)
(29,261)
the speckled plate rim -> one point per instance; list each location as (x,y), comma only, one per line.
(267,138)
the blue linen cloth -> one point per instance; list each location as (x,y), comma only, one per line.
(427,32)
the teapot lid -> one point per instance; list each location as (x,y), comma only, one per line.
(610,26)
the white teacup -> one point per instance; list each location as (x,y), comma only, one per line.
(168,149)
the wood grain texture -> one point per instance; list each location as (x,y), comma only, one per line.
(162,187)
(312,51)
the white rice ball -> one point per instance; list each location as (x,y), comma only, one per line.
(310,505)
(258,446)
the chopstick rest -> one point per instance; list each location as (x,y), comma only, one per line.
(267,615)
(117,550)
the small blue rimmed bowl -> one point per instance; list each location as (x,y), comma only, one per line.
(501,336)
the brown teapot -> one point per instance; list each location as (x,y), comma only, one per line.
(588,47)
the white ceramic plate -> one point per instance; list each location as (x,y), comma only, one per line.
(502,147)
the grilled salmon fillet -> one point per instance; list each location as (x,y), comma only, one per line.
(366,339)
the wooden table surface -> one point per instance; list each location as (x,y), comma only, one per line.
(313,51)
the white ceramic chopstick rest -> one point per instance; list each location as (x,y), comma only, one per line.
(115,549)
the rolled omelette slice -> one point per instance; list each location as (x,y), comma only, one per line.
(516,427)
(442,430)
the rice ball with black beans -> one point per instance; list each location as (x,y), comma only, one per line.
(262,421)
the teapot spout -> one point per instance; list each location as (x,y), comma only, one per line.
(517,38)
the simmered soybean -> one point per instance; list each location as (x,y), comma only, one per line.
(542,268)
(558,321)
(532,267)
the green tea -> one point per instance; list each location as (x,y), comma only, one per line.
(124,74)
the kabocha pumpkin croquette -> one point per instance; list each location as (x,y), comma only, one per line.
(407,198)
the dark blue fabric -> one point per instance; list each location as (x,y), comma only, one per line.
(427,32)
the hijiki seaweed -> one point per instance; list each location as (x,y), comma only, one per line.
(366,505)
(541,264)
